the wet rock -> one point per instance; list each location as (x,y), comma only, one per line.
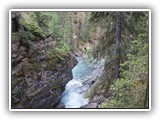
(15,46)
(22,48)
(60,105)
(14,55)
(23,53)
(99,98)
(35,84)
(90,105)
(83,78)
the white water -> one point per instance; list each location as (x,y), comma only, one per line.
(73,96)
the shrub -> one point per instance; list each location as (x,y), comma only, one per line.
(130,91)
(59,53)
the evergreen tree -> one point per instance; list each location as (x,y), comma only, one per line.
(124,44)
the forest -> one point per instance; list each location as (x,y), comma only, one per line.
(74,59)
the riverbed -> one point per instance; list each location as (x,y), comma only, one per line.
(74,94)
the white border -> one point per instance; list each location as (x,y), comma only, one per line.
(67,10)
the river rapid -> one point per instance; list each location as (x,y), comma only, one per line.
(73,96)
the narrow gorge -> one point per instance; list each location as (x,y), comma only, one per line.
(35,82)
(82,60)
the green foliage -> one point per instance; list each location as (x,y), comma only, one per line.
(62,28)
(88,55)
(54,26)
(34,29)
(36,25)
(26,36)
(130,90)
(59,53)
(120,98)
(61,25)
(88,29)
(29,30)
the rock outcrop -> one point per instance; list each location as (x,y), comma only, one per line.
(35,83)
(90,105)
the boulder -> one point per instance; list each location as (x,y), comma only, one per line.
(15,46)
(90,105)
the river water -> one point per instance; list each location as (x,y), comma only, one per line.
(73,96)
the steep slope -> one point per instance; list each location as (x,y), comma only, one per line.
(36,83)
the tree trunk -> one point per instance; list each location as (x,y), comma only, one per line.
(78,29)
(118,41)
(146,105)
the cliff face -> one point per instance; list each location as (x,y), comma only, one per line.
(35,83)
